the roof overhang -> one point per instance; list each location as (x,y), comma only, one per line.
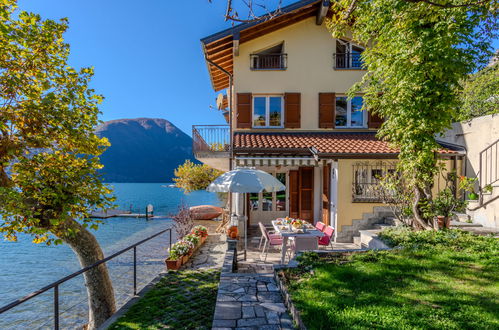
(221,47)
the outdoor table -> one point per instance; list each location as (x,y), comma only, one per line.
(288,232)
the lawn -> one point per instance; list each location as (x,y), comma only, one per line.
(436,280)
(183,299)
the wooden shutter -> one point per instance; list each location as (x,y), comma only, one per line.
(374,121)
(294,206)
(306,196)
(327,109)
(244,110)
(292,110)
(326,192)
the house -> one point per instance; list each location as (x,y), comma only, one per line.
(285,81)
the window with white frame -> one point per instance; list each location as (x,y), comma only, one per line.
(268,111)
(349,112)
(267,201)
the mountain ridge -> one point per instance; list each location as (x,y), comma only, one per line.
(143,149)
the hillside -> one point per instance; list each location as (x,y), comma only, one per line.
(143,150)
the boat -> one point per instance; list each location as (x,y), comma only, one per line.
(205,212)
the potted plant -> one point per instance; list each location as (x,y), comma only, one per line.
(444,206)
(186,249)
(174,260)
(194,239)
(200,231)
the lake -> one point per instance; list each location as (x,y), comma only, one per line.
(26,267)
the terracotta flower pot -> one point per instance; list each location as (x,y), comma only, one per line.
(185,259)
(443,222)
(202,240)
(173,264)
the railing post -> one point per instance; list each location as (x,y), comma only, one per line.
(170,237)
(56,307)
(135,270)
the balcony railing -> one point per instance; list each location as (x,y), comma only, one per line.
(347,61)
(210,138)
(366,181)
(268,61)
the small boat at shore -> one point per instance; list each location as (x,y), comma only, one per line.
(205,212)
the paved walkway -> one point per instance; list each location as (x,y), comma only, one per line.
(250,301)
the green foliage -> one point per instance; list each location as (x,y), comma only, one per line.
(194,239)
(48,149)
(479,95)
(436,280)
(417,53)
(181,300)
(191,177)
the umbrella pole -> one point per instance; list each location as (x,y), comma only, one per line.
(245,226)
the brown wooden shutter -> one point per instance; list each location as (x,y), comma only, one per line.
(326,205)
(294,206)
(292,110)
(244,110)
(374,121)
(306,195)
(327,107)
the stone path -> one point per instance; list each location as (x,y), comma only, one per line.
(250,301)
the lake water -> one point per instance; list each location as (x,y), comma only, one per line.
(26,267)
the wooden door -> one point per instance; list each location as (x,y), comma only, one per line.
(306,195)
(326,193)
(294,206)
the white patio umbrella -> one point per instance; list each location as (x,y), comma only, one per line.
(245,180)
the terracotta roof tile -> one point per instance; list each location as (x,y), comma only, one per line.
(325,143)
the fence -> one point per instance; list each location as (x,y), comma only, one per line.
(55,285)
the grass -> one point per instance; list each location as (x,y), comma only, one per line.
(183,299)
(443,280)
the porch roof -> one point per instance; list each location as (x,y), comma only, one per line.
(326,144)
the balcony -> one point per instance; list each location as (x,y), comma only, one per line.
(211,145)
(268,61)
(347,61)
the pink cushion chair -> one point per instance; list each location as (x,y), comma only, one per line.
(320,226)
(273,240)
(327,239)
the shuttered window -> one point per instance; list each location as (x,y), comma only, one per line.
(374,121)
(292,110)
(327,107)
(244,110)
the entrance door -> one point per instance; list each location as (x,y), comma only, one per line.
(301,193)
(334,194)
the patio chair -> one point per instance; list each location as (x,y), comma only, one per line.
(304,244)
(270,240)
(327,239)
(320,226)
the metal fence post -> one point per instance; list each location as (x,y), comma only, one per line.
(56,307)
(134,270)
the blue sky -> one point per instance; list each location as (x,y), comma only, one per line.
(147,54)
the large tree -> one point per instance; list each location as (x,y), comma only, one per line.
(48,151)
(417,52)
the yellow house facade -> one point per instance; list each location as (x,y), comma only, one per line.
(285,82)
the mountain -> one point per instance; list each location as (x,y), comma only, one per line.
(143,150)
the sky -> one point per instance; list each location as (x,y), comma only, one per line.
(146,54)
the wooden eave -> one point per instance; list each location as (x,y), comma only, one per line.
(219,47)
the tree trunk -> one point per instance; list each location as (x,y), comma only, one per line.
(100,291)
(415,209)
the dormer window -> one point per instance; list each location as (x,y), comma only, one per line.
(347,55)
(272,58)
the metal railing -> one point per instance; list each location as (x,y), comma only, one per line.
(366,179)
(55,285)
(210,138)
(489,173)
(268,61)
(347,61)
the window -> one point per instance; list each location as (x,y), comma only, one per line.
(348,55)
(267,201)
(267,111)
(272,58)
(349,112)
(366,178)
